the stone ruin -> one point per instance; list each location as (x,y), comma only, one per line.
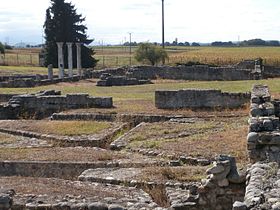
(107,79)
(245,70)
(194,99)
(225,187)
(263,177)
(264,135)
(45,103)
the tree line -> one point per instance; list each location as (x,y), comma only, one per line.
(251,42)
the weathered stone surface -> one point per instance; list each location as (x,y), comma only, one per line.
(46,103)
(107,79)
(262,190)
(194,98)
(239,206)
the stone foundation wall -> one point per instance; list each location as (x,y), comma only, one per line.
(6,97)
(46,103)
(271,72)
(196,72)
(224,186)
(109,80)
(23,81)
(264,135)
(193,98)
(263,143)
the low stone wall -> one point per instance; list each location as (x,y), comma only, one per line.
(263,188)
(271,72)
(23,81)
(193,98)
(6,97)
(46,103)
(109,80)
(62,170)
(263,143)
(264,136)
(135,119)
(224,186)
(21,76)
(196,72)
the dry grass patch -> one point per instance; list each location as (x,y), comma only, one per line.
(73,154)
(7,139)
(57,188)
(69,128)
(230,141)
(206,138)
(181,174)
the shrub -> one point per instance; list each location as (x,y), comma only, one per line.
(151,53)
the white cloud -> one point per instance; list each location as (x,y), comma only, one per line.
(111,20)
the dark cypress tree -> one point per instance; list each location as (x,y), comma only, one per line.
(63,24)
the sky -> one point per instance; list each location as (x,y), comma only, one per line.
(111,21)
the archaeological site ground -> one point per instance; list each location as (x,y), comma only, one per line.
(141,138)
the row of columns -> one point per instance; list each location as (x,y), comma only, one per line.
(70,59)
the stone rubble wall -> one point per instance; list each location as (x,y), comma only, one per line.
(6,97)
(135,119)
(196,72)
(223,187)
(62,170)
(110,80)
(194,98)
(46,103)
(263,186)
(23,81)
(20,76)
(264,135)
(263,144)
(271,72)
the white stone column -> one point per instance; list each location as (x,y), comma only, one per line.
(50,72)
(70,59)
(79,58)
(60,59)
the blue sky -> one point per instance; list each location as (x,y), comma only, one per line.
(110,21)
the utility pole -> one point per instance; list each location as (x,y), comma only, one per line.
(130,48)
(129,43)
(163,44)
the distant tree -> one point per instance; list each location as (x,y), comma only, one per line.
(2,48)
(63,24)
(222,44)
(151,53)
(253,42)
(181,44)
(167,44)
(273,43)
(195,44)
(187,44)
(8,47)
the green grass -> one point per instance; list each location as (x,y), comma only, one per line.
(11,70)
(146,92)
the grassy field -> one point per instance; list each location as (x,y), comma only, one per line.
(140,99)
(146,92)
(115,56)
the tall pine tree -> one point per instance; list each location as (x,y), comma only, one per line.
(63,24)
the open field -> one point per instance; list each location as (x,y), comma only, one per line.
(115,56)
(209,55)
